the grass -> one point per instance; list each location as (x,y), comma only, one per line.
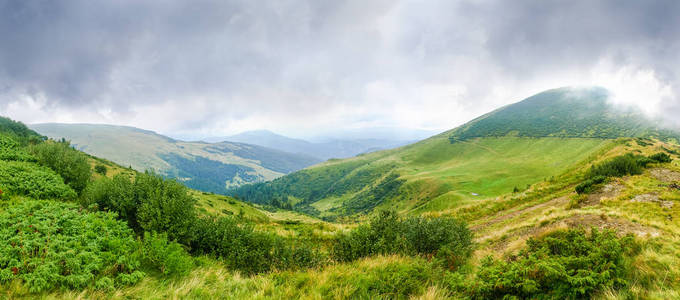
(366,278)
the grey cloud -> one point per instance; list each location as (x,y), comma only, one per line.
(288,60)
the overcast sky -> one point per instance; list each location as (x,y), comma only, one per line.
(302,68)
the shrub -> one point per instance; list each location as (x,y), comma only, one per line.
(149,203)
(70,163)
(100,169)
(50,245)
(566,264)
(30,179)
(243,249)
(660,157)
(619,166)
(166,256)
(445,238)
(164,206)
(10,150)
(587,186)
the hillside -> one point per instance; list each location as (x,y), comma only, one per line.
(508,149)
(334,148)
(203,166)
(564,112)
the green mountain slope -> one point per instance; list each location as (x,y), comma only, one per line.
(564,112)
(203,166)
(508,149)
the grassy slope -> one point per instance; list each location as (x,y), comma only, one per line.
(192,162)
(501,225)
(439,175)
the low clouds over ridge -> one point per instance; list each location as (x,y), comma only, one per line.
(304,67)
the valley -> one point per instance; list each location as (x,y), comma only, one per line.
(536,210)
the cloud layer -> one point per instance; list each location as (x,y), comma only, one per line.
(306,67)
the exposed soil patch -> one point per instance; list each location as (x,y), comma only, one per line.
(621,226)
(610,190)
(652,198)
(665,175)
(500,217)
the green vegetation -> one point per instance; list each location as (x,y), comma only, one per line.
(564,112)
(18,132)
(623,165)
(431,175)
(100,169)
(69,163)
(568,264)
(147,203)
(30,179)
(49,245)
(149,237)
(168,257)
(244,249)
(446,238)
(203,166)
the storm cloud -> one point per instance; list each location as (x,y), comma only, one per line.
(200,68)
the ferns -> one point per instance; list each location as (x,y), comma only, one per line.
(51,245)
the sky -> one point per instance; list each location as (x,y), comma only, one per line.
(308,68)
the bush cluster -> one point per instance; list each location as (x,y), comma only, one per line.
(244,249)
(619,166)
(568,264)
(623,165)
(69,163)
(167,257)
(52,245)
(30,179)
(661,157)
(148,203)
(589,184)
(10,150)
(445,238)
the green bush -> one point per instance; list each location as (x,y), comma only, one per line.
(568,264)
(70,163)
(149,203)
(244,249)
(619,166)
(19,132)
(588,185)
(100,169)
(660,157)
(50,245)
(445,238)
(166,256)
(30,179)
(10,150)
(164,206)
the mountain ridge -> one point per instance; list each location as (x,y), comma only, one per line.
(486,157)
(200,165)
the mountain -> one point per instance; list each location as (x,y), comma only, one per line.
(204,166)
(329,148)
(564,112)
(508,149)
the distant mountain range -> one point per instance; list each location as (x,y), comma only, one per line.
(330,148)
(505,150)
(204,166)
